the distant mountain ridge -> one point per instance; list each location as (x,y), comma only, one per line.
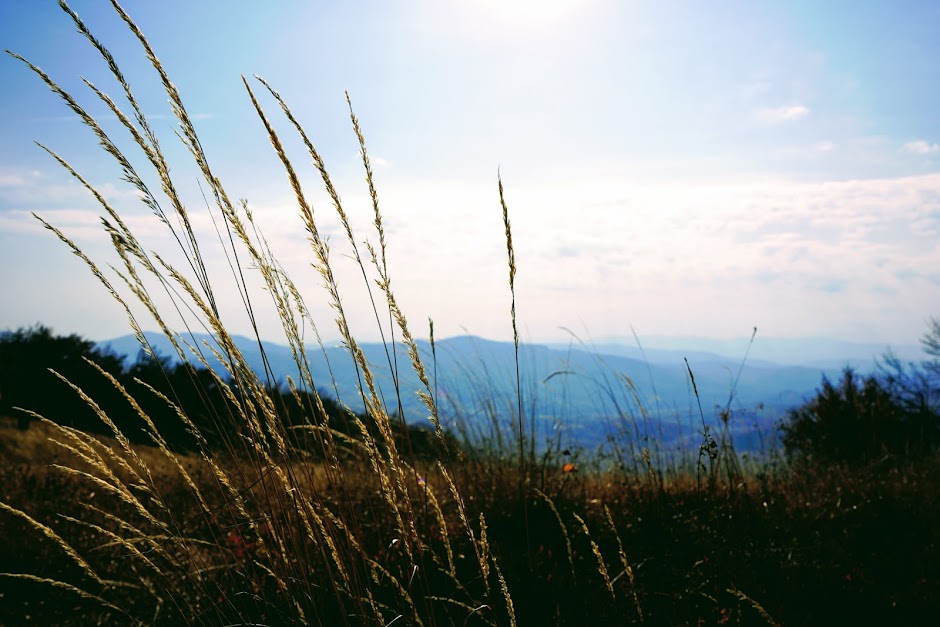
(582,389)
(822,352)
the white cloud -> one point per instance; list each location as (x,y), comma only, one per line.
(921,147)
(17,177)
(783,114)
(792,258)
(825,146)
(379,161)
(11,180)
(759,253)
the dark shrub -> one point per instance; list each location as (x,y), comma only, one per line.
(859,420)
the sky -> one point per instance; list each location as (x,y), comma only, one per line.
(670,168)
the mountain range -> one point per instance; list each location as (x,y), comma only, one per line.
(578,392)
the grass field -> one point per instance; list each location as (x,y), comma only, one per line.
(835,548)
(354,528)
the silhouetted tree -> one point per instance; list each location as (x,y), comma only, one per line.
(931,343)
(915,386)
(931,339)
(27,358)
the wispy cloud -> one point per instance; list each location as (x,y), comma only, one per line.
(921,147)
(79,224)
(783,114)
(825,146)
(11,180)
(17,177)
(33,189)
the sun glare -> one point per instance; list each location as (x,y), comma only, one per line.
(526,14)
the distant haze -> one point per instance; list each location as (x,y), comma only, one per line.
(574,391)
(817,351)
(584,390)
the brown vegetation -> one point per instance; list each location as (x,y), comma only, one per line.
(847,545)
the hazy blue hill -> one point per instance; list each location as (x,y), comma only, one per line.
(818,352)
(565,386)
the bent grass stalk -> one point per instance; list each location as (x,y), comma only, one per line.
(601,564)
(627,568)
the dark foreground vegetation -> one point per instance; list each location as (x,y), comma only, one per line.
(841,546)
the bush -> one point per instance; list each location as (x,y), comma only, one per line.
(859,420)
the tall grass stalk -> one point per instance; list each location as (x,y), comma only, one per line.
(521,435)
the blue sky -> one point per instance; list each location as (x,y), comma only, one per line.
(683,168)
